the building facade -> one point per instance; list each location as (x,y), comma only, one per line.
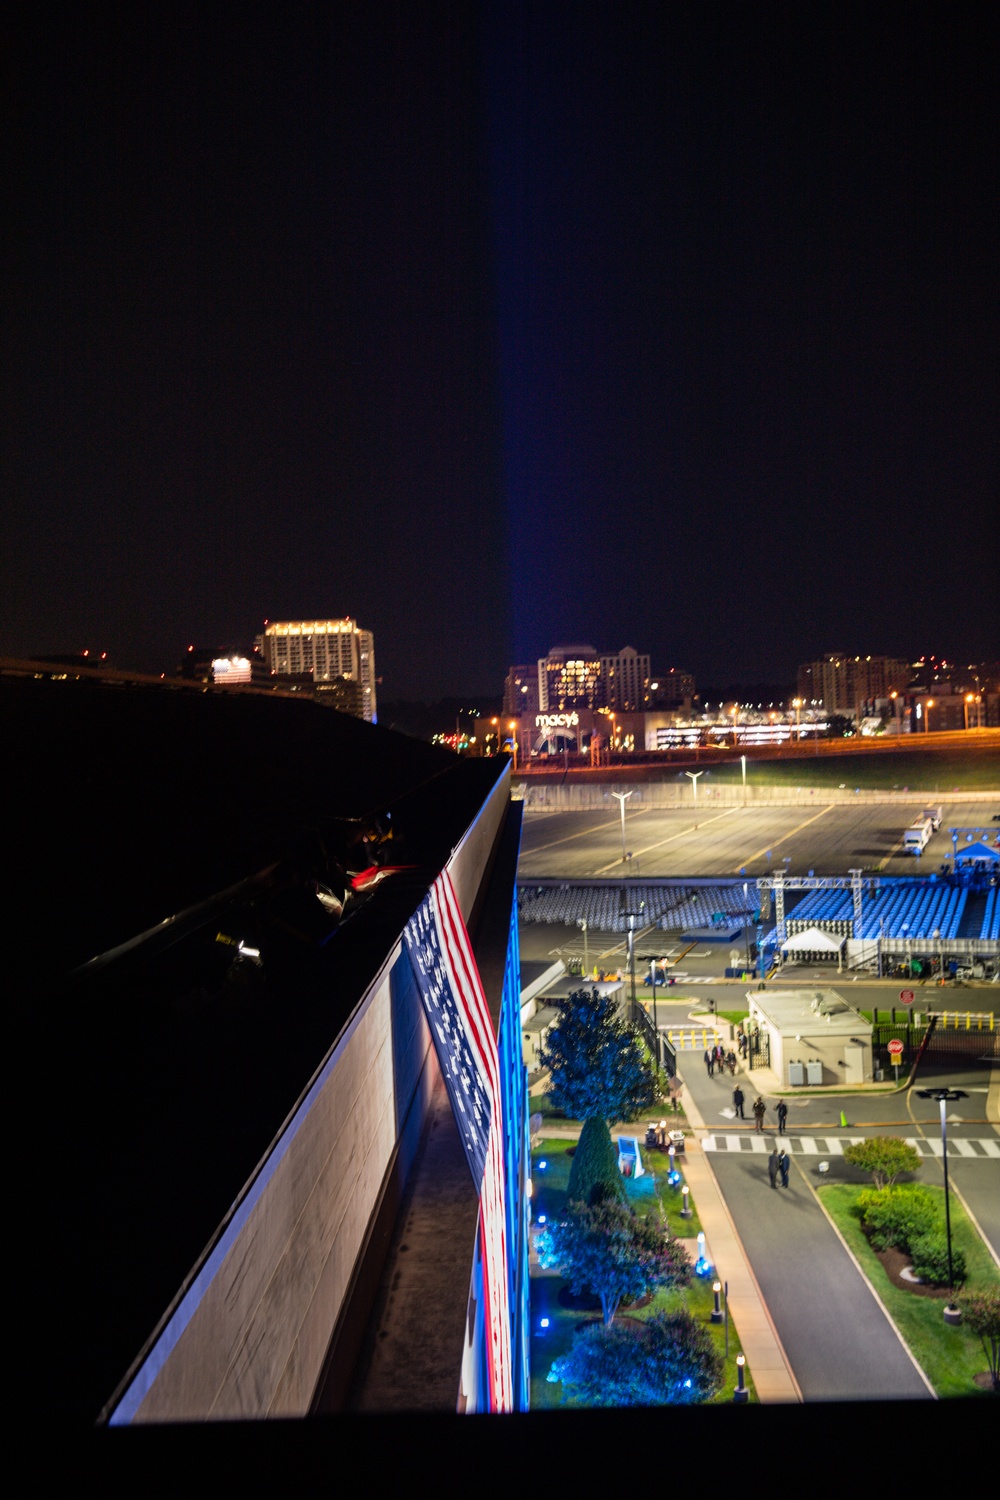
(569,678)
(840,682)
(328,649)
(520,691)
(624,681)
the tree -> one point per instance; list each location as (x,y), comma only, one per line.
(602,1367)
(681,1362)
(595,1165)
(600,1069)
(603,1247)
(885,1157)
(668,1360)
(981,1311)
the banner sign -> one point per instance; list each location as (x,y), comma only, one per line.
(459,1018)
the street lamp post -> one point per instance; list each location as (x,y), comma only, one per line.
(582,922)
(513,741)
(694,787)
(944,1097)
(622,798)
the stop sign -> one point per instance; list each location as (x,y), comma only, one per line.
(895,1048)
(907,997)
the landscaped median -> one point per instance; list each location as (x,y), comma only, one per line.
(952,1357)
(558,1317)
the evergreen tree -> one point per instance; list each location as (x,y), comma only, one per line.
(600,1069)
(595,1165)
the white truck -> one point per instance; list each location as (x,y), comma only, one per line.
(918,836)
(935,814)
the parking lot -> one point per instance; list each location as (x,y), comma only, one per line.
(827,838)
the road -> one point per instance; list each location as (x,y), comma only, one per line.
(839,1341)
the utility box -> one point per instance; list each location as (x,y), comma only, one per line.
(796,1073)
(814,1071)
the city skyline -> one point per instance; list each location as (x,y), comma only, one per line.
(502,326)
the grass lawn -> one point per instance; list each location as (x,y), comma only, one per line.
(549,1186)
(950,1357)
(885,769)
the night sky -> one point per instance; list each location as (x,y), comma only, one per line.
(501,325)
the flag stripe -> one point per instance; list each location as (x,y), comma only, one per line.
(456,1007)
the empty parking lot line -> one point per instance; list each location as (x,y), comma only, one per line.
(775,843)
(695,828)
(585,833)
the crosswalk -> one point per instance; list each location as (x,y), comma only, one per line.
(831,1145)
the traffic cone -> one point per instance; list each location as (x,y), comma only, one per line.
(843,1120)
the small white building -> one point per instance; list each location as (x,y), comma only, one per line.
(814,1036)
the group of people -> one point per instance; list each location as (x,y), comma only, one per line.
(779,1161)
(760,1110)
(777,1165)
(718,1057)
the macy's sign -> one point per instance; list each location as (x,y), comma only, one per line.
(557,721)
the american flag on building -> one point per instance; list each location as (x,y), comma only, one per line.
(453,998)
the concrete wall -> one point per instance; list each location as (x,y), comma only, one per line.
(576,796)
(830,1050)
(248,1336)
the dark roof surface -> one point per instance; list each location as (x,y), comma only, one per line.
(154,1084)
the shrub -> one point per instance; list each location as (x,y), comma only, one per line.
(884,1157)
(930,1259)
(981,1311)
(669,1360)
(896,1216)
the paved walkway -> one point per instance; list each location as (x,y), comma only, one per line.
(769,1367)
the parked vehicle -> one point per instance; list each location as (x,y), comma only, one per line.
(935,814)
(918,836)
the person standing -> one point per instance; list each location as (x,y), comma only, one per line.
(782,1110)
(759,1109)
(784,1162)
(710,1061)
(772,1167)
(738,1097)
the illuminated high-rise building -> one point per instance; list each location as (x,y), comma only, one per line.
(841,682)
(568,678)
(325,650)
(625,681)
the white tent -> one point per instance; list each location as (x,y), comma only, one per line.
(977,851)
(813,940)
